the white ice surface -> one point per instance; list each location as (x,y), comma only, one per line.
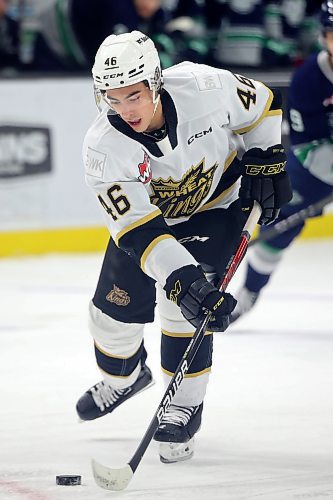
(267,429)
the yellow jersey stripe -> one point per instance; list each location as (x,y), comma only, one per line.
(137,223)
(224,193)
(274,112)
(264,113)
(189,375)
(150,247)
(114,355)
(180,335)
(217,199)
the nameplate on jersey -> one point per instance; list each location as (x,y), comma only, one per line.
(208,82)
(95,163)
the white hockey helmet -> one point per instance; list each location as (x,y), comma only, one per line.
(126,59)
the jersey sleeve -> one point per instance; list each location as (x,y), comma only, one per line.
(135,224)
(254,110)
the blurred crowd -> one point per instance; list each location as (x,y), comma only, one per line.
(63,35)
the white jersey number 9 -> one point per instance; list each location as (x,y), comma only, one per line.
(296,120)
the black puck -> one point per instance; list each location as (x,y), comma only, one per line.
(68,480)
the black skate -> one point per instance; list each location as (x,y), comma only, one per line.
(245,301)
(176,432)
(102,398)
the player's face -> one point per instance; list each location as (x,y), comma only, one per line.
(3,7)
(329,43)
(147,8)
(134,104)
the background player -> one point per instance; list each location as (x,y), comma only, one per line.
(310,115)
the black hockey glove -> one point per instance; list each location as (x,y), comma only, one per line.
(191,291)
(264,179)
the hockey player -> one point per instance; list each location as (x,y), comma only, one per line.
(162,159)
(310,115)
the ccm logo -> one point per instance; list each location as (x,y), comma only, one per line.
(114,75)
(273,169)
(198,135)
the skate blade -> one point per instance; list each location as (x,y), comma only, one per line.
(176,452)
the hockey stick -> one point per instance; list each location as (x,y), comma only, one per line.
(292,220)
(118,479)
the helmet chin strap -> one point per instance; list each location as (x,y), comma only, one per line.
(155,101)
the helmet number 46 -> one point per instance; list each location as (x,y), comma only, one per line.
(110,61)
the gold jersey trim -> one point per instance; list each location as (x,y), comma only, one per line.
(180,335)
(229,160)
(114,355)
(274,112)
(137,223)
(261,117)
(189,375)
(217,199)
(150,247)
(224,193)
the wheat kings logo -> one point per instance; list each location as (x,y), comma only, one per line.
(182,198)
(118,296)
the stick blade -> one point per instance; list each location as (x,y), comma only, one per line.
(111,479)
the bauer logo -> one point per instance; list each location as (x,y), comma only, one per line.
(95,163)
(24,151)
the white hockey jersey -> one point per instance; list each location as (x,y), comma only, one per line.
(146,186)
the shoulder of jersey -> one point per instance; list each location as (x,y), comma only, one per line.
(103,151)
(190,83)
(187,73)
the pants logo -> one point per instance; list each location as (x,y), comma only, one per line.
(118,296)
